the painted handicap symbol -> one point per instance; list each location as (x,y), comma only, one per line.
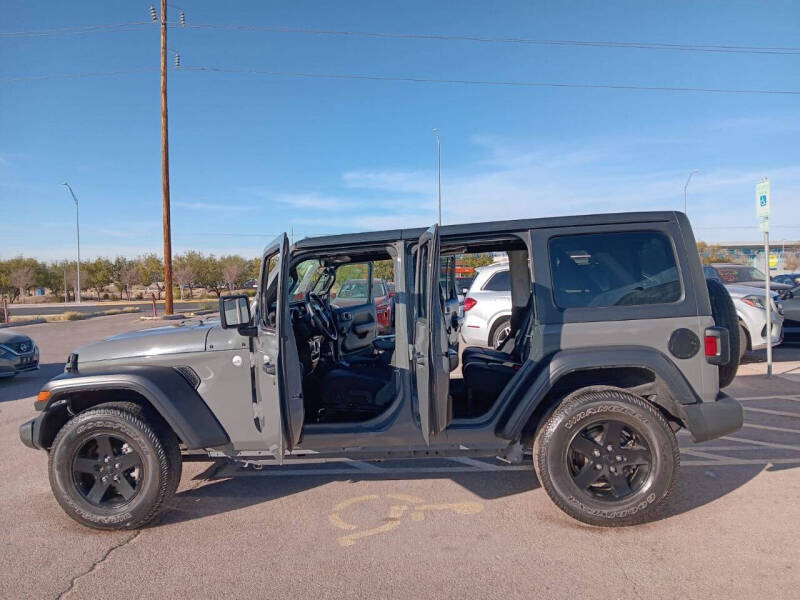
(407,508)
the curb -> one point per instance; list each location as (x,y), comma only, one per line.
(22,323)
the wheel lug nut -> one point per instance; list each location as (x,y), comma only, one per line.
(104,479)
(596,453)
(609,447)
(619,458)
(116,465)
(598,466)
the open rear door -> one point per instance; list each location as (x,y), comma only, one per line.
(278,398)
(431,360)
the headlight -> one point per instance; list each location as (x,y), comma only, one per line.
(754,301)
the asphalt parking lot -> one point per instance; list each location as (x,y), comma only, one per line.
(413,529)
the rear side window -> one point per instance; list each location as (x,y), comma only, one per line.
(499,282)
(614,269)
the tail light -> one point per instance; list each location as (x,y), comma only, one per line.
(717,345)
(469,303)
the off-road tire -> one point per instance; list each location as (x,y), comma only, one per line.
(724,313)
(587,408)
(156,446)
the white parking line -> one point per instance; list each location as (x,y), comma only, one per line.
(768,411)
(795,397)
(760,443)
(480,465)
(730,462)
(770,428)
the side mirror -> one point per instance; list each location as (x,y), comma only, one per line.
(234,311)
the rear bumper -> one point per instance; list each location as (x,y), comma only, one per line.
(710,420)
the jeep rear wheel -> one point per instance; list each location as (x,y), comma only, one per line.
(111,468)
(607,457)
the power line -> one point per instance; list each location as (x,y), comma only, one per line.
(407,79)
(507,40)
(83,29)
(80,75)
(483,82)
(135,25)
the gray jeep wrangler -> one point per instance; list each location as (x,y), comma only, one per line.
(617,342)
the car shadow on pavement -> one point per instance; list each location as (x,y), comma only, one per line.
(218,496)
(28,384)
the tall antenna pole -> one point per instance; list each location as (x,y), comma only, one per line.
(439,172)
(168,307)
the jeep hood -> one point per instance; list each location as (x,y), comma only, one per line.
(172,339)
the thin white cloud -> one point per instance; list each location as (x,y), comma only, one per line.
(213,206)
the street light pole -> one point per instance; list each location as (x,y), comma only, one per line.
(686,185)
(78,232)
(168,305)
(439,172)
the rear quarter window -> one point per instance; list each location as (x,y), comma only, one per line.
(499,282)
(614,269)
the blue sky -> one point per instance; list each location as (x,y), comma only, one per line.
(258,155)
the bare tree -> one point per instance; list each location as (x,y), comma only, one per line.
(128,277)
(22,279)
(184,274)
(233,270)
(792,261)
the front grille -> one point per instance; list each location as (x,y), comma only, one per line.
(25,347)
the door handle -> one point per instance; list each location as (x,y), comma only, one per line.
(419,358)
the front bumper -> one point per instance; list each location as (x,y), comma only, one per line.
(710,420)
(11,364)
(29,433)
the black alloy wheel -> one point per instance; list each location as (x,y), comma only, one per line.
(107,471)
(609,460)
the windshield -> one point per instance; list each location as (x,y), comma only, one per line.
(737,274)
(312,276)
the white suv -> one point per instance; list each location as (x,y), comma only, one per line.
(487,307)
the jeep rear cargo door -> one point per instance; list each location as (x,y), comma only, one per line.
(430,357)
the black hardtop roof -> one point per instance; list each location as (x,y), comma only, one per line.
(492,227)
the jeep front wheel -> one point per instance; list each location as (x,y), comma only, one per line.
(607,457)
(110,469)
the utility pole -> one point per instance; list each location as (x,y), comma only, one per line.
(439,172)
(168,304)
(685,186)
(78,232)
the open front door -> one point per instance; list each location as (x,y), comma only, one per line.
(431,361)
(277,377)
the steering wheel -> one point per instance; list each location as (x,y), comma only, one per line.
(321,316)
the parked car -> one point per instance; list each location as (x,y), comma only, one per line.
(791,316)
(731,273)
(751,311)
(625,344)
(487,307)
(792,279)
(355,292)
(18,354)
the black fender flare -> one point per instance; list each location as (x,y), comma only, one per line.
(164,388)
(675,391)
